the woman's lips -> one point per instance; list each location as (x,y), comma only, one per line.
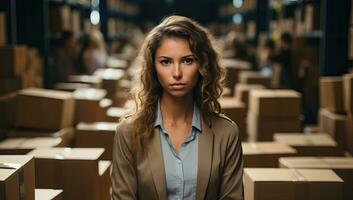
(178,86)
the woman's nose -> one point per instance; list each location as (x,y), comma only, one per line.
(177,73)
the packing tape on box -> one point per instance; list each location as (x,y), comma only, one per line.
(18,167)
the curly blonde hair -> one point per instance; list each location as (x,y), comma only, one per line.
(148,89)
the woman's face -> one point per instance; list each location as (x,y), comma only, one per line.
(176,66)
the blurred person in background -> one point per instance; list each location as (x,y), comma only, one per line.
(175,143)
(93,54)
(65,57)
(268,55)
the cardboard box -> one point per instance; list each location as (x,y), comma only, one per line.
(350,43)
(265,154)
(93,81)
(7,110)
(48,194)
(291,184)
(2,29)
(242,91)
(348,92)
(237,112)
(253,77)
(233,67)
(10,85)
(262,128)
(87,108)
(110,80)
(312,17)
(342,166)
(331,94)
(334,125)
(9,184)
(21,146)
(76,22)
(59,18)
(22,169)
(310,144)
(114,114)
(104,168)
(66,134)
(275,103)
(70,87)
(99,134)
(71,169)
(13,61)
(349,132)
(53,109)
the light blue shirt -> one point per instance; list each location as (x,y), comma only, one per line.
(180,168)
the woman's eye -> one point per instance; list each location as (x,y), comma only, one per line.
(165,62)
(188,61)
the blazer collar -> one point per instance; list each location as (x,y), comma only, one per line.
(205,149)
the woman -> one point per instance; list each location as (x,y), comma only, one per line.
(176,144)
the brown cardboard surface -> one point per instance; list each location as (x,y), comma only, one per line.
(265,154)
(348,92)
(290,184)
(242,91)
(342,166)
(262,128)
(114,113)
(93,81)
(331,94)
(70,87)
(13,61)
(104,178)
(48,194)
(7,110)
(275,103)
(54,109)
(110,80)
(21,146)
(349,133)
(10,85)
(99,134)
(9,184)
(87,108)
(334,125)
(310,144)
(66,134)
(72,169)
(25,165)
(253,77)
(2,29)
(59,18)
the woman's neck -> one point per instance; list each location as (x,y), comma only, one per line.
(176,110)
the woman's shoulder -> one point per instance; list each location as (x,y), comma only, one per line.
(224,125)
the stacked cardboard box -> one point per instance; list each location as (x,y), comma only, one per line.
(265,154)
(110,80)
(21,146)
(242,91)
(233,68)
(59,18)
(253,77)
(310,144)
(348,105)
(113,114)
(2,28)
(70,87)
(333,124)
(331,94)
(273,111)
(342,166)
(312,17)
(76,22)
(66,134)
(291,184)
(7,110)
(237,112)
(48,194)
(93,81)
(53,110)
(71,169)
(17,179)
(104,168)
(87,108)
(98,134)
(32,76)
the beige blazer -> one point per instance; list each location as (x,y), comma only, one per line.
(141,175)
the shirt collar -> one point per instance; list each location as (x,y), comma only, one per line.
(196,118)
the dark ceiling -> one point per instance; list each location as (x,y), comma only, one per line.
(200,10)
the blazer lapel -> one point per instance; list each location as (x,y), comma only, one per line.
(205,150)
(155,159)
